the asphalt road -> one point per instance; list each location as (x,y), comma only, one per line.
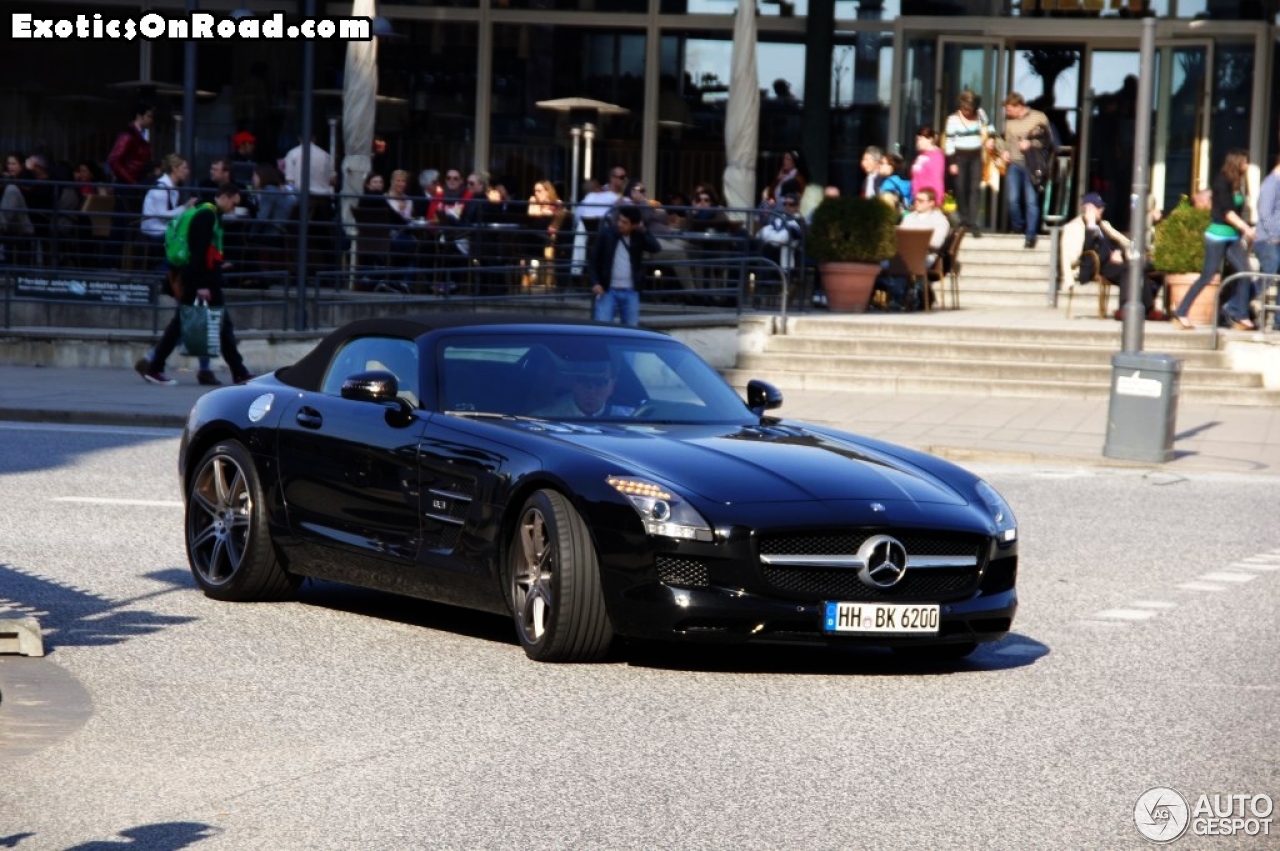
(1144,655)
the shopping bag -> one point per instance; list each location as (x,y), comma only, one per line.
(201,329)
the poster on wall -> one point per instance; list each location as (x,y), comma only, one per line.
(85,288)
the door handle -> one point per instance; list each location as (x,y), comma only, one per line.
(309,418)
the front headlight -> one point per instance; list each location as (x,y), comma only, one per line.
(1001,514)
(662,511)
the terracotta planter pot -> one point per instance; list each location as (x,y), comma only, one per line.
(1201,312)
(849,285)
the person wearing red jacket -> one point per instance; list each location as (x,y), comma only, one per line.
(130,158)
(201,278)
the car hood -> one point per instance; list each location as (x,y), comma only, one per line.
(758,463)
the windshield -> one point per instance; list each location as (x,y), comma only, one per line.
(581,376)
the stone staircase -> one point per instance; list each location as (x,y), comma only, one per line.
(880,355)
(1004,341)
(997,270)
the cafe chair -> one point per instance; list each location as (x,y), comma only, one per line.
(911,261)
(946,267)
(1088,262)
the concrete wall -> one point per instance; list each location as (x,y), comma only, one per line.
(715,338)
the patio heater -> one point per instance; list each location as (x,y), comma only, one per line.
(582,134)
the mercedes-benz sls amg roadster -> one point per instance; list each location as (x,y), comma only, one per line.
(592,482)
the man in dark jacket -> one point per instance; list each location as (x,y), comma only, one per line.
(615,270)
(201,278)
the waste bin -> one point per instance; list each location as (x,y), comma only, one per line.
(1143,413)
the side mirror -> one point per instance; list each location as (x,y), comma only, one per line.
(762,396)
(381,388)
(375,386)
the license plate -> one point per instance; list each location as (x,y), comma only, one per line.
(882,618)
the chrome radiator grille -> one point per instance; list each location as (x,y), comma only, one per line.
(823,566)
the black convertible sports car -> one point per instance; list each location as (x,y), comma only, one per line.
(592,481)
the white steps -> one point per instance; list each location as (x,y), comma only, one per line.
(935,354)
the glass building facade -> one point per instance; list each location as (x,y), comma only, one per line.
(461,80)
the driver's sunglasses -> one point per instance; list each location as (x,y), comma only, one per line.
(592,381)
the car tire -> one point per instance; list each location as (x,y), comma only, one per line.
(229,547)
(553,583)
(937,652)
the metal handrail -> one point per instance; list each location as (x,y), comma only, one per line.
(1263,309)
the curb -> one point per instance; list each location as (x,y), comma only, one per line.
(99,418)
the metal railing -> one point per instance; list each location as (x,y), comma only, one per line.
(99,258)
(1267,305)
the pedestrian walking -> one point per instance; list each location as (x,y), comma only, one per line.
(201,278)
(1266,241)
(1225,239)
(615,270)
(1024,129)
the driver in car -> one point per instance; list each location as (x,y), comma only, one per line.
(591,383)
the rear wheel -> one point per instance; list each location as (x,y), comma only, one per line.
(229,548)
(554,583)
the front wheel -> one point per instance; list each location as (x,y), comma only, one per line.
(229,547)
(554,584)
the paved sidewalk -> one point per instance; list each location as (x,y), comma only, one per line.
(995,429)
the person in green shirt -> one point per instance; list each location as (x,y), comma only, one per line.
(1225,238)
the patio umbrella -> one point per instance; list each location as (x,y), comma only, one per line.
(742,113)
(359,110)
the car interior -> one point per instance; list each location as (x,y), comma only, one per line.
(489,382)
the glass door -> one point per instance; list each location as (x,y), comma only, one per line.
(1180,148)
(1180,125)
(975,64)
(1111,109)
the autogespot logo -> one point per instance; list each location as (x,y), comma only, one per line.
(1161,814)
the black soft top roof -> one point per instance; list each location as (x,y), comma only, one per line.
(308,372)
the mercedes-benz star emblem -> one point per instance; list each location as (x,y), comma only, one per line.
(884,561)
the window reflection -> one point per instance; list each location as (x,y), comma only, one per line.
(575,5)
(427,81)
(536,62)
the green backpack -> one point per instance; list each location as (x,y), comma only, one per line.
(177,250)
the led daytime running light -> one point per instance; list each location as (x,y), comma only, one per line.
(633,487)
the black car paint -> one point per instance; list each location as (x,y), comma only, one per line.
(432,470)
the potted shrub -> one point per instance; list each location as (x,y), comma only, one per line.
(849,238)
(1178,251)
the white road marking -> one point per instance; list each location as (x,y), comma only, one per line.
(97,500)
(1224,576)
(1256,565)
(1126,614)
(1202,586)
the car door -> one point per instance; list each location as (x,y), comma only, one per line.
(349,469)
